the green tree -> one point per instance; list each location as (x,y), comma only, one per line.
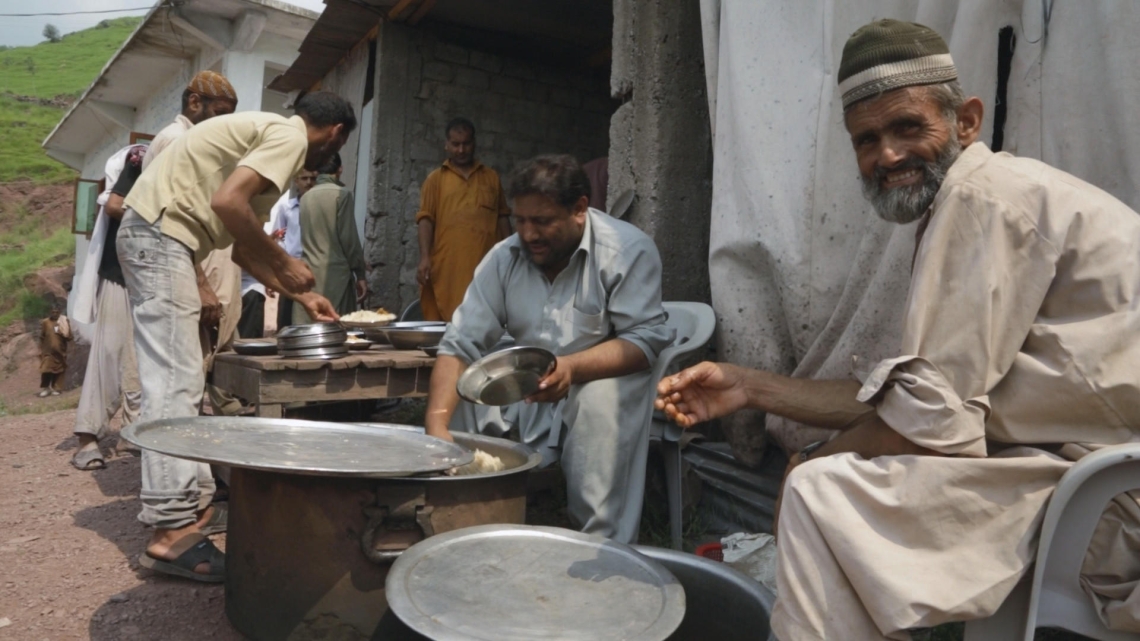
(51,32)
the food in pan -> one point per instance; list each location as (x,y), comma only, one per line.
(369,316)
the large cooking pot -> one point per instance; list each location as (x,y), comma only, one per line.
(307,556)
(720,603)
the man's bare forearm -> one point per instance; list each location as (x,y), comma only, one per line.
(613,358)
(826,404)
(426,234)
(259,270)
(442,397)
(869,436)
(114,207)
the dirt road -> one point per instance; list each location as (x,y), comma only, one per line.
(69,541)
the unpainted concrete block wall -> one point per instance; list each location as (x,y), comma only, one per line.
(660,138)
(520,109)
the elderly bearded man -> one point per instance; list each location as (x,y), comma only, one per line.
(212,188)
(588,288)
(1020,353)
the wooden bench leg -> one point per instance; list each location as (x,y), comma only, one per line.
(270,410)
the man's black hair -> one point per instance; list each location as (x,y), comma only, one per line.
(556,176)
(331,166)
(324,108)
(459,123)
(187,92)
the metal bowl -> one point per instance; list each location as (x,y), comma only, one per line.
(379,335)
(364,324)
(505,377)
(256,347)
(316,353)
(311,336)
(430,350)
(362,344)
(415,337)
(313,329)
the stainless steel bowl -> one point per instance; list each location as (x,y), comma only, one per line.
(316,353)
(415,337)
(314,329)
(379,335)
(505,377)
(256,347)
(311,336)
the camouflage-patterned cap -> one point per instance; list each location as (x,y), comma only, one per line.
(212,84)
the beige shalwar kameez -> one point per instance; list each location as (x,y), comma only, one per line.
(1022,329)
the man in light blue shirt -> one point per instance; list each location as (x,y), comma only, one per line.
(587,287)
(285,217)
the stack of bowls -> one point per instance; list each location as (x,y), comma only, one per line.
(319,341)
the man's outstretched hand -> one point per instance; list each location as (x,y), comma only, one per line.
(701,393)
(318,307)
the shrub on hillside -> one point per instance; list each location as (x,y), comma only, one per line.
(51,32)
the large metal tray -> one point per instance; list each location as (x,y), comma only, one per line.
(520,583)
(506,376)
(318,353)
(298,447)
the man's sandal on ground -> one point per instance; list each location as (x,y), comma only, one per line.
(218,520)
(201,552)
(88,460)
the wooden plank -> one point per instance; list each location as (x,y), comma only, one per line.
(326,385)
(239,381)
(270,410)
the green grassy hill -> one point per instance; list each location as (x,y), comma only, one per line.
(36,86)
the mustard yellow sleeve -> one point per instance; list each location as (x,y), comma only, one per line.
(429,198)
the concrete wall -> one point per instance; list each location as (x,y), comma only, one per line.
(660,142)
(519,109)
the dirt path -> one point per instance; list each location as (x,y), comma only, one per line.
(68,547)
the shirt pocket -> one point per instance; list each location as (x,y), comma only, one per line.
(589,324)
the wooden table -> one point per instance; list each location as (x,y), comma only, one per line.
(269,382)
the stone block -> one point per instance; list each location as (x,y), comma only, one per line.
(451,53)
(552,76)
(599,103)
(425,151)
(536,91)
(520,69)
(498,123)
(507,86)
(471,78)
(565,97)
(427,90)
(441,71)
(486,61)
(623,61)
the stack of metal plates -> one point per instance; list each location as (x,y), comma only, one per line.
(319,341)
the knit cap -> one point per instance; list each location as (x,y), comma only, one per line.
(212,84)
(890,54)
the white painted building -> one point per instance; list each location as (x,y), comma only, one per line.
(140,89)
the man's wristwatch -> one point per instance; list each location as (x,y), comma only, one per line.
(809,450)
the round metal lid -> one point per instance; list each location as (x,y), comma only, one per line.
(520,583)
(298,447)
(312,329)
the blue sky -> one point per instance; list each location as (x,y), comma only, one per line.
(18,32)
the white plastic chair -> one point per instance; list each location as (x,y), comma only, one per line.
(694,324)
(413,312)
(1054,598)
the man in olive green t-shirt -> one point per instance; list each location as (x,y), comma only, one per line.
(212,188)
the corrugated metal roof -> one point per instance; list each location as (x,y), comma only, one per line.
(553,31)
(339,29)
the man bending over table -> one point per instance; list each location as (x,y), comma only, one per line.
(211,188)
(587,287)
(1020,353)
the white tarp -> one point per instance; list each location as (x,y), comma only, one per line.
(804,275)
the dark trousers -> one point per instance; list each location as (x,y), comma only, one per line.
(252,322)
(284,312)
(47,379)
